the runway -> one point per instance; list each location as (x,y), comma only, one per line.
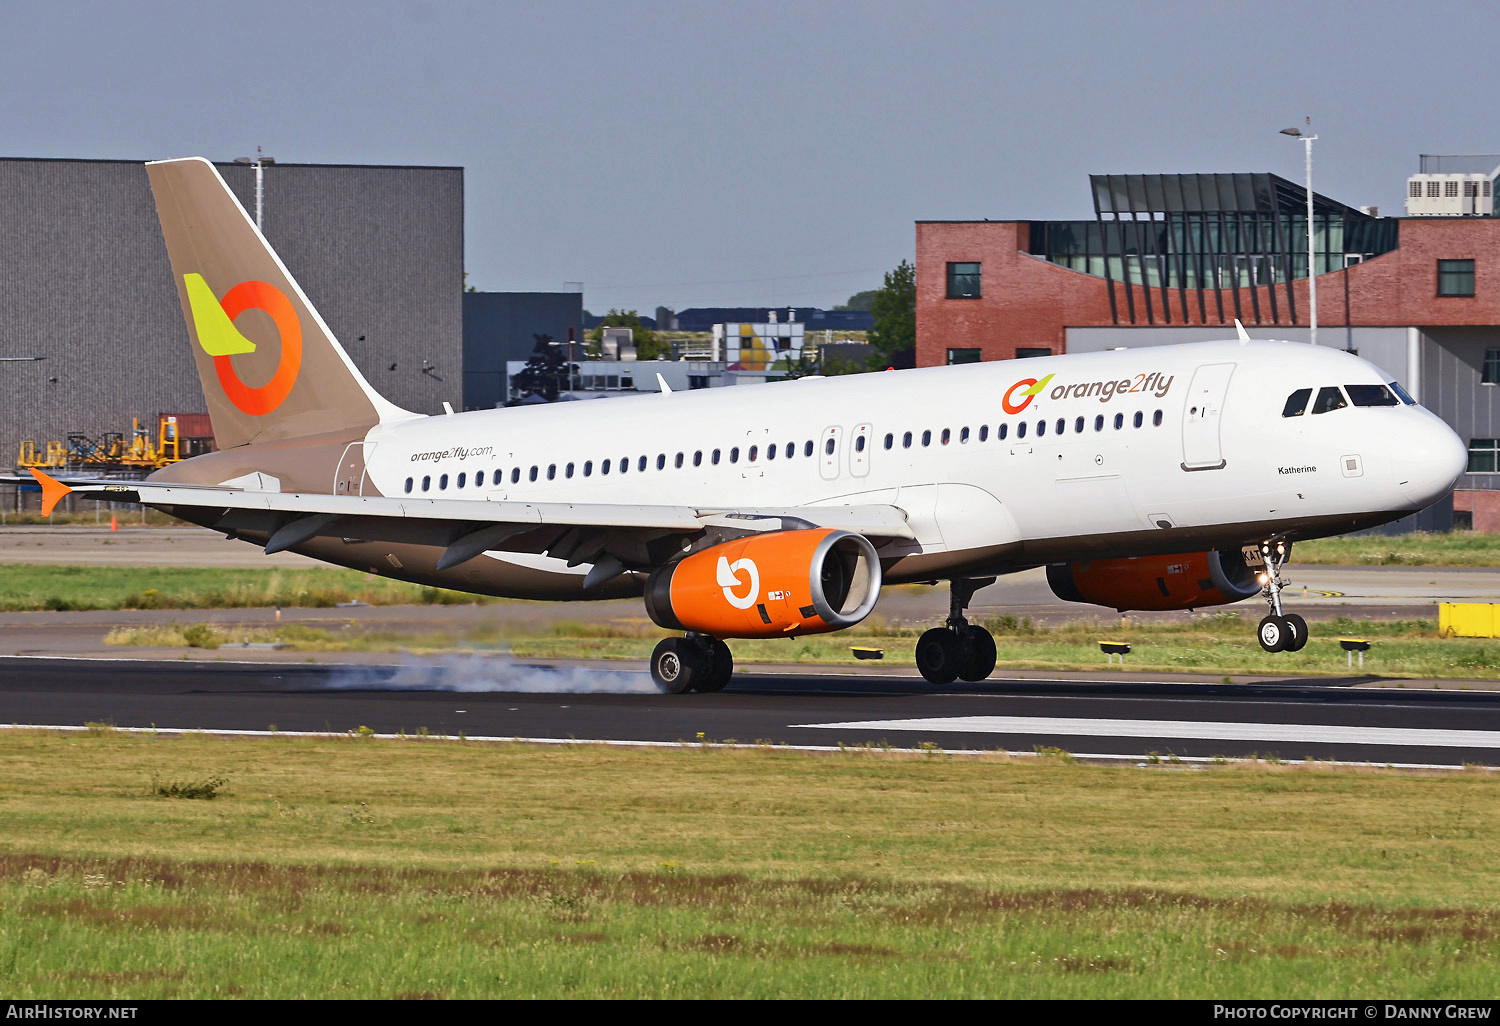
(1118,719)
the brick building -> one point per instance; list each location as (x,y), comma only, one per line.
(1178,258)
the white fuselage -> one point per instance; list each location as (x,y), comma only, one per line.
(1118,453)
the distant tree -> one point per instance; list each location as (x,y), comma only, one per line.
(860,300)
(546,372)
(894,335)
(467,286)
(647,346)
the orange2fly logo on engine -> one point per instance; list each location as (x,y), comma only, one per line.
(214,320)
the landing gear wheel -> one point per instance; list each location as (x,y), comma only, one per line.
(979,654)
(1298,632)
(721,667)
(1274,633)
(940,655)
(678,664)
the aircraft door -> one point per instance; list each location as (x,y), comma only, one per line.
(350,477)
(828,452)
(860,450)
(1201,448)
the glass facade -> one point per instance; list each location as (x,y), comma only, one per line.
(1194,242)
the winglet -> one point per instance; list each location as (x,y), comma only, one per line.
(52,491)
(1239,330)
(661,382)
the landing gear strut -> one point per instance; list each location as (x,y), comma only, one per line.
(960,650)
(1278,631)
(692,663)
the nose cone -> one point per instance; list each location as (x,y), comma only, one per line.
(1428,459)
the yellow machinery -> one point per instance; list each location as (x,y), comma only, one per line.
(110,451)
(1469,619)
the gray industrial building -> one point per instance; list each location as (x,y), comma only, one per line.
(85,283)
(500,327)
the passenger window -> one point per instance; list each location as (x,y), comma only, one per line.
(641,465)
(588,468)
(1041,428)
(1371,395)
(770,452)
(426,482)
(1119,421)
(443,482)
(754,451)
(1329,399)
(408,486)
(963,436)
(808,448)
(461,479)
(791,449)
(734,454)
(479,480)
(1062,425)
(604,466)
(661,461)
(906,440)
(1001,432)
(890,439)
(698,458)
(1078,426)
(569,471)
(677,461)
(828,447)
(533,473)
(1021,429)
(1140,418)
(624,464)
(984,432)
(515,475)
(1099,422)
(716,457)
(926,438)
(1156,419)
(1296,403)
(946,435)
(859,444)
(551,471)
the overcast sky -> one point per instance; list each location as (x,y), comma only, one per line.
(695,154)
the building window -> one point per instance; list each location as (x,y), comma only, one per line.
(963,356)
(1491,375)
(1455,278)
(1484,455)
(963,281)
(1416,190)
(1450,190)
(1432,190)
(1025,354)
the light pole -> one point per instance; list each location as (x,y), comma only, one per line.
(260,162)
(1312,272)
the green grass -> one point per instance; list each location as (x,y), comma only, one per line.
(1420,548)
(25,587)
(363,868)
(1221,643)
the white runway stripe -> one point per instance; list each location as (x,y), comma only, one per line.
(1181,729)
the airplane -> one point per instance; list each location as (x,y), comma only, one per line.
(1142,479)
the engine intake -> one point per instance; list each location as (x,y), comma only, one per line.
(1181,581)
(779,584)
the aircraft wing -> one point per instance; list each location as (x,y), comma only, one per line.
(615,537)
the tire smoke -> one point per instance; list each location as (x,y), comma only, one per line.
(477,673)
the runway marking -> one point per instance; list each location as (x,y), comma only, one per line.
(1180,729)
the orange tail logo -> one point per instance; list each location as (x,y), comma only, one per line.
(214,319)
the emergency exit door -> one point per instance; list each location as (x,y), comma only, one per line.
(1201,446)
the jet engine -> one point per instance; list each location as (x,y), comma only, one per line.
(1182,581)
(779,584)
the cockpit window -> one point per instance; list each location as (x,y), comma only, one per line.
(1296,403)
(1405,396)
(1371,395)
(1329,399)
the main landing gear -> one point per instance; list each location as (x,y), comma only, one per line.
(692,663)
(1278,632)
(961,650)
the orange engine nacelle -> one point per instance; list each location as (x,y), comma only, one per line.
(1183,581)
(772,585)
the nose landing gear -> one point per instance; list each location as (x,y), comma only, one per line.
(1278,631)
(960,650)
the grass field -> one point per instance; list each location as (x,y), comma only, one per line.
(1221,643)
(365,868)
(1456,548)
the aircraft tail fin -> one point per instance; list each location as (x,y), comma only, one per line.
(271,369)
